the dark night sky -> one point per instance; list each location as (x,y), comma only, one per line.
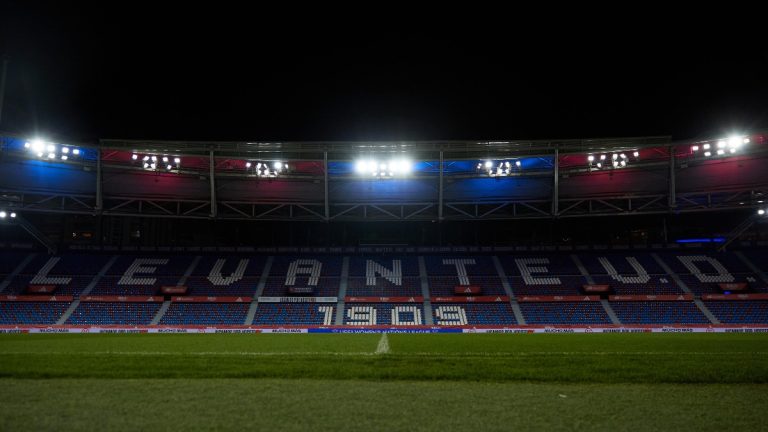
(134,71)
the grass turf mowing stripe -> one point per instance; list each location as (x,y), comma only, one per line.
(547,368)
(543,358)
(297,405)
(383,348)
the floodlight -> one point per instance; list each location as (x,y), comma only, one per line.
(51,148)
(506,164)
(278,165)
(165,158)
(13,214)
(404,166)
(247,164)
(134,156)
(720,151)
(488,164)
(746,141)
(721,143)
(146,158)
(360,166)
(705,146)
(636,154)
(518,163)
(2,214)
(75,152)
(695,148)
(154,158)
(177,160)
(38,146)
(65,149)
(707,154)
(602,157)
(761,212)
(26,145)
(614,156)
(735,140)
(589,158)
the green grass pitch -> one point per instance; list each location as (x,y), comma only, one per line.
(397,382)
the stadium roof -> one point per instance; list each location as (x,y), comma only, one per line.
(454,149)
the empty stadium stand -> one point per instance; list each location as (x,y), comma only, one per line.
(701,272)
(654,312)
(294,314)
(384,276)
(31,312)
(102,313)
(575,313)
(739,312)
(205,313)
(231,275)
(70,273)
(482,314)
(388,279)
(405,314)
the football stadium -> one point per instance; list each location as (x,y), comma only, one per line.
(504,334)
(219,218)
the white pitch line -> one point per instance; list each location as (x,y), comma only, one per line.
(576,353)
(383,347)
(195,353)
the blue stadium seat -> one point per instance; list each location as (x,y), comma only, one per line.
(658,312)
(31,312)
(114,313)
(740,311)
(205,313)
(575,313)
(357,286)
(473,313)
(293,313)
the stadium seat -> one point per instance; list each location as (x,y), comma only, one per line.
(740,311)
(407,314)
(658,312)
(205,313)
(294,313)
(31,312)
(575,313)
(114,313)
(451,314)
